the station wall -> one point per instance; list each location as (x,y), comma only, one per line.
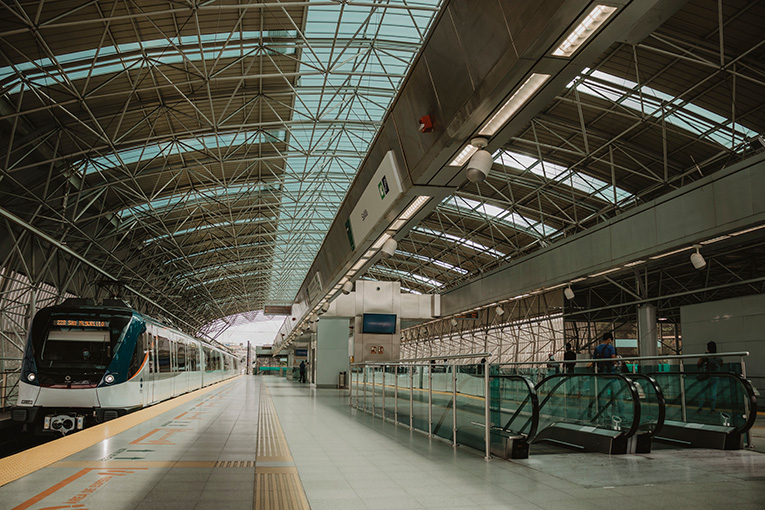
(736,324)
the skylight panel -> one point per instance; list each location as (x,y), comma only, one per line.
(436,262)
(412,276)
(150,151)
(460,240)
(198,228)
(577,180)
(190,197)
(654,103)
(172,50)
(502,216)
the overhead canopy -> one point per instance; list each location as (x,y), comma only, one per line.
(199,154)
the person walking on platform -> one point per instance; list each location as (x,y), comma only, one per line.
(708,393)
(569,357)
(605,350)
(302,371)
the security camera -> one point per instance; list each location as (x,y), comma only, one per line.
(480,164)
(347,288)
(389,247)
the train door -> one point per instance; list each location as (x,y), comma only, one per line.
(153,393)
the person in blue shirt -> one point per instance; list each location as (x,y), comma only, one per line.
(605,350)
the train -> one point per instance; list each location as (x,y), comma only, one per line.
(86,364)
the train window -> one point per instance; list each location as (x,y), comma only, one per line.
(208,359)
(181,356)
(138,356)
(163,354)
(191,358)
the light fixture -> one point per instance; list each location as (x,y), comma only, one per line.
(499,311)
(697,259)
(389,248)
(454,322)
(512,105)
(594,20)
(569,293)
(657,257)
(109,378)
(415,206)
(605,272)
(347,288)
(378,244)
(480,164)
(464,155)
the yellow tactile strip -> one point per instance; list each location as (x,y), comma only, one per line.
(272,446)
(19,465)
(276,488)
(279,488)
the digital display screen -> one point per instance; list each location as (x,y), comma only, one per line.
(80,323)
(379,323)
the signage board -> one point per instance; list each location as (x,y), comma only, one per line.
(277,310)
(376,200)
(467,315)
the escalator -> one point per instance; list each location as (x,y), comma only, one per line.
(514,411)
(707,409)
(607,413)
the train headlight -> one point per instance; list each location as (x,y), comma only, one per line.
(109,379)
(31,377)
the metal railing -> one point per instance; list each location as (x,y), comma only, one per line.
(453,393)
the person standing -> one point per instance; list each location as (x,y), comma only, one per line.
(302,371)
(605,350)
(570,358)
(708,393)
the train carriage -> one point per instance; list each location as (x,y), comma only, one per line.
(86,364)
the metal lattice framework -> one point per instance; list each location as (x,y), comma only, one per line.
(529,329)
(197,152)
(643,120)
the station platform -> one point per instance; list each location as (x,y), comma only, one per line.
(262,442)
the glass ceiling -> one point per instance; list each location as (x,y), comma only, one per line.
(653,103)
(336,76)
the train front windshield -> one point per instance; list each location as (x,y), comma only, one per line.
(75,347)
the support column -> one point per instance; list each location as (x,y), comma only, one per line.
(331,351)
(648,336)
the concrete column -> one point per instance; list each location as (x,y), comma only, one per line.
(648,335)
(331,351)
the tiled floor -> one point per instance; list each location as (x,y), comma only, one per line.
(200,456)
(349,460)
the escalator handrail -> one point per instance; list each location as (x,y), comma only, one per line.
(747,389)
(659,397)
(628,384)
(533,397)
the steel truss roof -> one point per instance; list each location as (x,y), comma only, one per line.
(641,121)
(197,151)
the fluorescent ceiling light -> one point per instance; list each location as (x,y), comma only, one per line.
(637,262)
(464,155)
(415,206)
(396,225)
(586,28)
(378,244)
(715,239)
(605,272)
(657,257)
(359,265)
(512,105)
(748,230)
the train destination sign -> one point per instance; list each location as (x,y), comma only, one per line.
(80,323)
